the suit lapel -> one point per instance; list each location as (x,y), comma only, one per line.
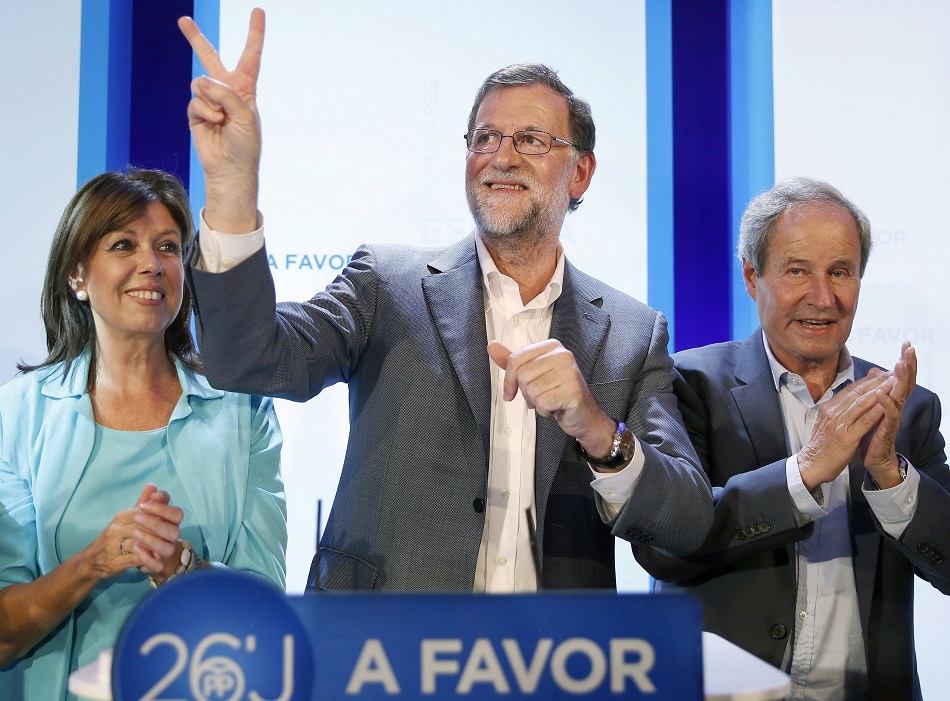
(456,302)
(758,403)
(581,326)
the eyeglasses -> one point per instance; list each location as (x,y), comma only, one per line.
(528,143)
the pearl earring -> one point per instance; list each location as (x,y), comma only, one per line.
(81,295)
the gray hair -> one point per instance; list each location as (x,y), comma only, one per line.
(579,119)
(758,221)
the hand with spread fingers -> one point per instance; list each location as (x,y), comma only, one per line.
(226,128)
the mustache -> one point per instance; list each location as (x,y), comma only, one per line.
(500,176)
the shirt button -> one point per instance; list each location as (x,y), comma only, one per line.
(608,492)
(806,546)
(505,493)
(502,560)
(508,430)
(228,262)
(516,322)
(803,615)
(910,499)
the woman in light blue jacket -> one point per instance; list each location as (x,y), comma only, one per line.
(120,467)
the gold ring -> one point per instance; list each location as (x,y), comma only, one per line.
(122,547)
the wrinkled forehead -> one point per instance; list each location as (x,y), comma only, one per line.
(515,107)
(815,230)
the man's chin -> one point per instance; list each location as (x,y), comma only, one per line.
(499,227)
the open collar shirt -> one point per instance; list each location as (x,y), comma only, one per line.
(506,558)
(826,656)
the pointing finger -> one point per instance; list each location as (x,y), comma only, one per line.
(499,353)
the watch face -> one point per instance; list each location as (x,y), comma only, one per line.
(627,445)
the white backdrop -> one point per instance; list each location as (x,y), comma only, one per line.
(862,100)
(38,144)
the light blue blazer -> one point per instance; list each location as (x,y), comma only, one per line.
(225,447)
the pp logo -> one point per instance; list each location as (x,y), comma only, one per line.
(242,641)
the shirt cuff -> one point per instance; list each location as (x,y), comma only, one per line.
(615,488)
(219,252)
(807,508)
(894,508)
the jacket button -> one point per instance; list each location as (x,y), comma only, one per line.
(740,534)
(930,551)
(478,505)
(778,631)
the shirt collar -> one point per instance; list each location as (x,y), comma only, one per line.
(779,371)
(491,276)
(58,384)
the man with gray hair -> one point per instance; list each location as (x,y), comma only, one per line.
(493,386)
(830,480)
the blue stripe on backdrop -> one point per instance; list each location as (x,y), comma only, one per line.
(709,150)
(207,13)
(701,171)
(159,94)
(134,72)
(104,72)
(752,130)
(659,94)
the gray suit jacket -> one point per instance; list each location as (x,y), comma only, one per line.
(405,328)
(744,574)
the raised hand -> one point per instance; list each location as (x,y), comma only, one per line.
(877,450)
(226,129)
(552,384)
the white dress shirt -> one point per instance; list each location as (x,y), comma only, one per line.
(827,661)
(505,557)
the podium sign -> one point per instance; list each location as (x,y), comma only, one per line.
(530,646)
(216,636)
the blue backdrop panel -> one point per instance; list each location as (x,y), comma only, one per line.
(134,75)
(701,171)
(752,131)
(159,94)
(659,87)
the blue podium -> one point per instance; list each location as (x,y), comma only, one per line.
(216,636)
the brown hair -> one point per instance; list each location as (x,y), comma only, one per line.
(104,204)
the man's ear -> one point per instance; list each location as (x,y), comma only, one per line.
(750,277)
(583,172)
